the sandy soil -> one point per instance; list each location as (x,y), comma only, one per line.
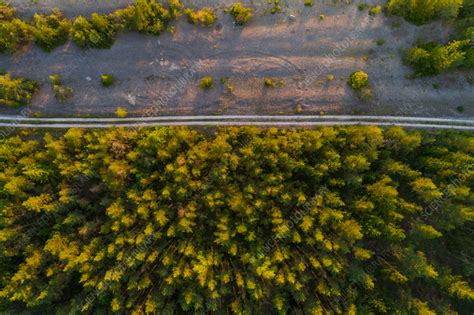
(160,75)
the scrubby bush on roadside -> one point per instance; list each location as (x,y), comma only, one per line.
(97,32)
(150,17)
(423,11)
(431,59)
(241,14)
(16,91)
(123,18)
(7,12)
(205,16)
(308,3)
(61,92)
(374,10)
(206,83)
(176,7)
(107,80)
(13,31)
(276,6)
(51,31)
(268,82)
(121,112)
(358,80)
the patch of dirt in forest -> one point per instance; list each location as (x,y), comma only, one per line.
(160,75)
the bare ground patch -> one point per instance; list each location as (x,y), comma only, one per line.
(153,73)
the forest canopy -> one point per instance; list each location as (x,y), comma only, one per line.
(353,220)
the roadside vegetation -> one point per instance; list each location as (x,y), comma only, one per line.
(98,31)
(16,91)
(359,82)
(243,221)
(205,16)
(241,14)
(61,92)
(13,31)
(434,58)
(51,31)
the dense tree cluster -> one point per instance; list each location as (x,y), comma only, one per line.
(51,31)
(355,220)
(16,91)
(424,11)
(98,31)
(431,59)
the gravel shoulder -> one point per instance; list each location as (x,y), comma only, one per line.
(159,75)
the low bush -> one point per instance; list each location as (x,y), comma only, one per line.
(206,83)
(268,82)
(107,80)
(7,12)
(276,6)
(16,91)
(150,17)
(123,18)
(61,92)
(205,16)
(176,7)
(358,80)
(374,10)
(121,112)
(51,31)
(308,3)
(97,32)
(241,14)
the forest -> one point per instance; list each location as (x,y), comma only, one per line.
(334,220)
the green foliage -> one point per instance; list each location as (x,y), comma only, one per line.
(423,11)
(13,33)
(276,6)
(16,91)
(107,80)
(241,14)
(374,10)
(205,16)
(268,82)
(51,31)
(206,83)
(98,32)
(7,12)
(121,112)
(243,221)
(308,3)
(176,7)
(150,17)
(358,80)
(431,59)
(61,92)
